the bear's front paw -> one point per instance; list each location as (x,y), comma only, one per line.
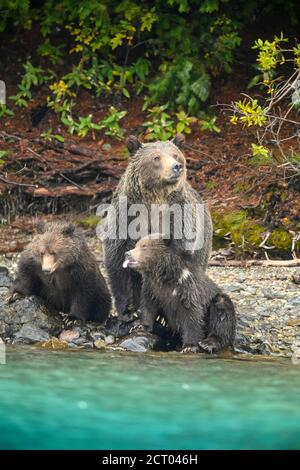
(69,321)
(189,349)
(210,345)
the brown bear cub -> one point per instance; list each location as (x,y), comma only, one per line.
(191,303)
(156,174)
(58,267)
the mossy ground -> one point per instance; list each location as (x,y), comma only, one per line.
(248,235)
(88,221)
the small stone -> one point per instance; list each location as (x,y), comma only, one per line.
(55,343)
(109,339)
(272,294)
(97,335)
(88,345)
(265,312)
(233,288)
(250,290)
(293,304)
(69,335)
(138,342)
(294,322)
(100,344)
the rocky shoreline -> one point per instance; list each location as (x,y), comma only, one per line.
(266,299)
(268,307)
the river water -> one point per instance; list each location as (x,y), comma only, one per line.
(114,400)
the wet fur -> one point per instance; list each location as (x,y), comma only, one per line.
(193,305)
(140,186)
(76,287)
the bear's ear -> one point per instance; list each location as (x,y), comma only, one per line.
(179,141)
(133,144)
(68,229)
(40,227)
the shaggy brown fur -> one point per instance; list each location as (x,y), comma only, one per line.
(192,304)
(58,267)
(156,174)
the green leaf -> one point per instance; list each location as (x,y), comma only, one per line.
(3,153)
(209,6)
(201,87)
(126,92)
(180,127)
(254,81)
(59,137)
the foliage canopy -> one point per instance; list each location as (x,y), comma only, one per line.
(169,50)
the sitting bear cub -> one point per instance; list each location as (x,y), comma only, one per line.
(58,267)
(192,304)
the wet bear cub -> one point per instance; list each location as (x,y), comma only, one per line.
(192,304)
(58,267)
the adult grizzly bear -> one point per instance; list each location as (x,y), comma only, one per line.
(173,287)
(58,267)
(156,174)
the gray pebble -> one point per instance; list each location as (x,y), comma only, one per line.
(233,288)
(273,294)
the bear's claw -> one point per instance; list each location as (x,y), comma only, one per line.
(189,349)
(12,297)
(69,321)
(209,345)
(138,327)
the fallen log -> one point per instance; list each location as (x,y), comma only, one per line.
(60,191)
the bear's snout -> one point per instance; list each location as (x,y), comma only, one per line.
(129,258)
(131,261)
(177,168)
(48,264)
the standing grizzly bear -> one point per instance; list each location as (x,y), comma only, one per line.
(58,267)
(173,287)
(156,174)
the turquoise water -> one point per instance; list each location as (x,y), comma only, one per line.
(110,400)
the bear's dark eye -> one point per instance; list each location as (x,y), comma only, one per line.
(157,158)
(42,253)
(52,253)
(144,246)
